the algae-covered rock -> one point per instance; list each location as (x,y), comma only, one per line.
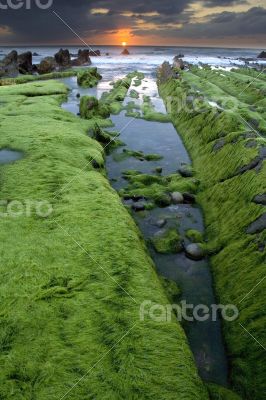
(171,288)
(167,242)
(88,78)
(134,94)
(186,171)
(194,236)
(217,392)
(90,107)
(47,65)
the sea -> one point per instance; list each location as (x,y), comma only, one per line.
(147,58)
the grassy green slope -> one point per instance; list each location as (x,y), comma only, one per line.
(71,283)
(226,196)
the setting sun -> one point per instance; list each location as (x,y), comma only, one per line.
(124,44)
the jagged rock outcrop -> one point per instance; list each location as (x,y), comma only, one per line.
(8,65)
(83,58)
(47,65)
(25,63)
(178,63)
(262,54)
(165,72)
(62,58)
(125,52)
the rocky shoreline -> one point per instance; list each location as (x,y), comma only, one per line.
(14,64)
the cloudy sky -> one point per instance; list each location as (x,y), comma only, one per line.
(232,23)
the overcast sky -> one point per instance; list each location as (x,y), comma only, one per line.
(232,23)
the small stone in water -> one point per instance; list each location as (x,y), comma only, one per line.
(177,198)
(195,251)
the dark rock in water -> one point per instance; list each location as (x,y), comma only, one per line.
(125,52)
(163,201)
(25,63)
(185,171)
(35,54)
(63,58)
(177,198)
(189,198)
(83,58)
(78,95)
(159,170)
(138,207)
(257,226)
(260,199)
(95,53)
(194,251)
(47,65)
(178,63)
(262,54)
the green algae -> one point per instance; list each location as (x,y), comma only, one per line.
(156,188)
(89,77)
(134,94)
(194,236)
(90,107)
(225,194)
(220,393)
(31,78)
(167,242)
(139,155)
(70,281)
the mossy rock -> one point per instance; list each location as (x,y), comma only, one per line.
(90,108)
(168,242)
(88,78)
(194,236)
(171,288)
(134,94)
(217,392)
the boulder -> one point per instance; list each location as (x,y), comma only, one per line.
(185,171)
(95,53)
(177,198)
(165,72)
(178,63)
(11,58)
(83,58)
(47,65)
(195,251)
(125,52)
(62,57)
(262,54)
(189,198)
(9,66)
(25,63)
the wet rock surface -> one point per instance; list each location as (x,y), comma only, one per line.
(260,199)
(194,251)
(257,226)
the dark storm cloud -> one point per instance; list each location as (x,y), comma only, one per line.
(226,24)
(223,3)
(38,25)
